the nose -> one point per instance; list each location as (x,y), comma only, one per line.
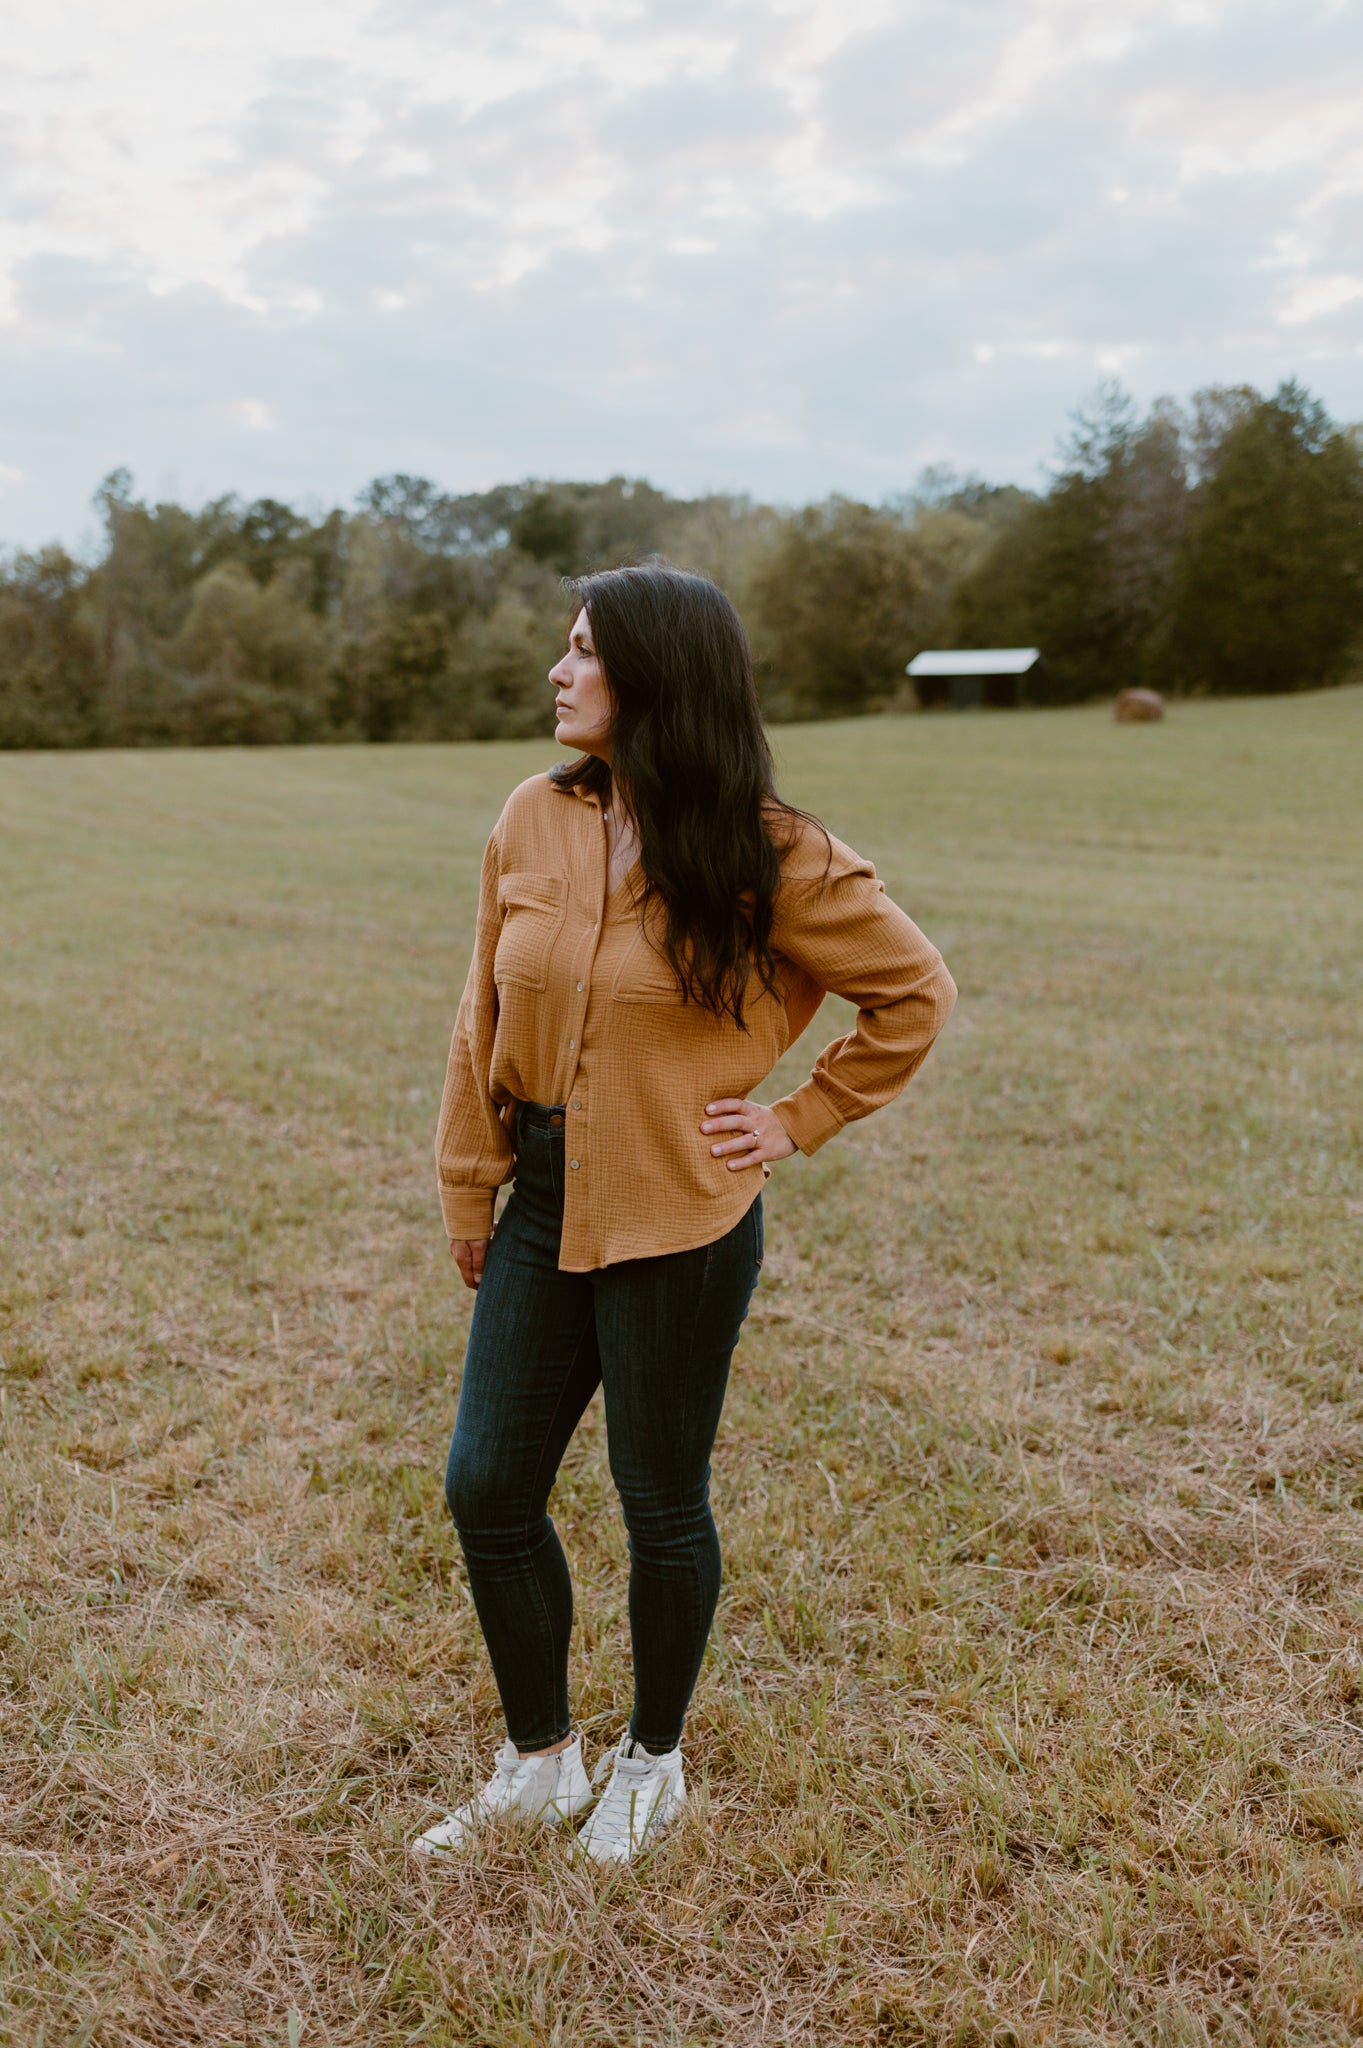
(557,675)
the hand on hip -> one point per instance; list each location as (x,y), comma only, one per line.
(758,1133)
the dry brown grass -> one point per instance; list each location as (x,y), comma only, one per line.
(1035,1712)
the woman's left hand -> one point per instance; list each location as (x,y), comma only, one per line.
(760,1133)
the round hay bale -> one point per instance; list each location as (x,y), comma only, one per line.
(1138,707)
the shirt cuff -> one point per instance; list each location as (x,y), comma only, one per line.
(467,1212)
(807,1118)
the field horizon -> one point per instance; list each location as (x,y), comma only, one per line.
(1034,1712)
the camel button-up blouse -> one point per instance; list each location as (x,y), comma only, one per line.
(569,1001)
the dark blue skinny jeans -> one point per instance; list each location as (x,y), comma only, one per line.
(657,1336)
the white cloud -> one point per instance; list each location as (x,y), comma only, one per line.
(1318,296)
(253,413)
(788,245)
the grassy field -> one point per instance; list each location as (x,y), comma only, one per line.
(1035,1710)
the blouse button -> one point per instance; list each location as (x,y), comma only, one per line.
(573,1164)
(579,988)
(572,1045)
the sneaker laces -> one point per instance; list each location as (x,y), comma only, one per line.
(631,1751)
(626,1808)
(513,1773)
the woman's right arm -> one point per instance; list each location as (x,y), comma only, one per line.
(472,1146)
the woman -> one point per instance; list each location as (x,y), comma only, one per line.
(654,927)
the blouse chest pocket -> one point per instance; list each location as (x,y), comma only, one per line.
(533,908)
(645,975)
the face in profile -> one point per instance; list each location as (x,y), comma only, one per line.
(582,700)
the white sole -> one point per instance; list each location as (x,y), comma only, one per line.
(554,1816)
(652,1836)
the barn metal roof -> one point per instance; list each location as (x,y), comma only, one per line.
(973,661)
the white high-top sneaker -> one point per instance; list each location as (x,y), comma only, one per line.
(645,1795)
(545,1788)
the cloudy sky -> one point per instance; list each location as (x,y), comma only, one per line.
(786,246)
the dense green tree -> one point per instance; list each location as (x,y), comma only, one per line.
(1085,572)
(573,527)
(403,597)
(1146,518)
(548,528)
(501,661)
(258,658)
(410,694)
(1270,588)
(1214,549)
(1213,414)
(48,655)
(838,605)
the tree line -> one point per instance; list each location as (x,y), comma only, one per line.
(1208,548)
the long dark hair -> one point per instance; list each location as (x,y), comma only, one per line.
(691,764)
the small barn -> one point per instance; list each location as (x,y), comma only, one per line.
(965,678)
